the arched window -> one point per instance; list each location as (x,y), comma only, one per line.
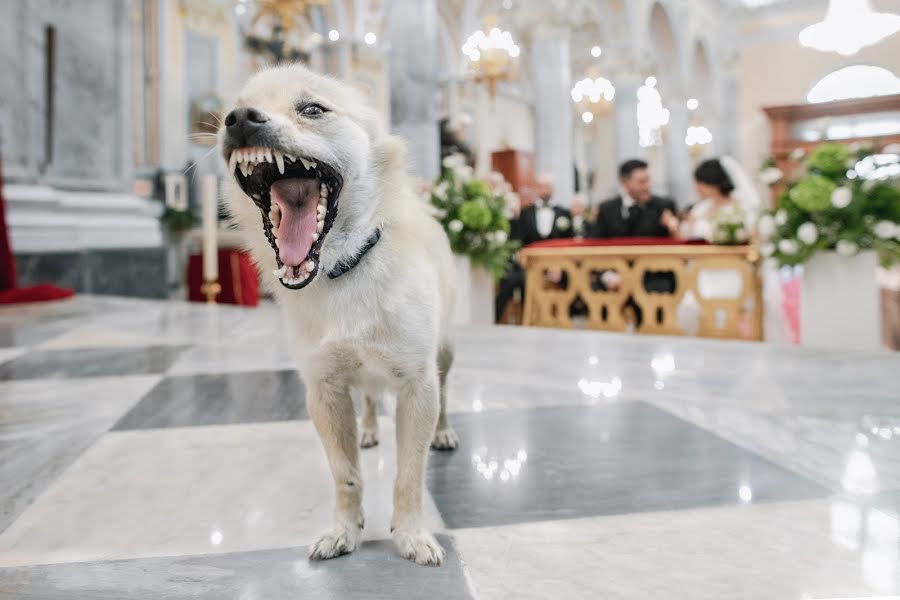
(857,81)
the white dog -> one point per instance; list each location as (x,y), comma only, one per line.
(363,275)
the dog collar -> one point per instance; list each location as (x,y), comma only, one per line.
(346,264)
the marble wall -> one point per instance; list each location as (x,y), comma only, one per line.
(90,144)
(139,272)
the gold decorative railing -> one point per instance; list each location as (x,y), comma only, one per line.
(555,304)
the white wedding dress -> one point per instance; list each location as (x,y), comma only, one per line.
(726,283)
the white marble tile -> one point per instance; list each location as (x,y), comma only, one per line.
(90,336)
(46,424)
(804,549)
(197,490)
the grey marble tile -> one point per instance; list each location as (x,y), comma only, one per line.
(219,399)
(568,462)
(90,362)
(374,571)
(45,425)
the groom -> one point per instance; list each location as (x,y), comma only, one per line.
(636,212)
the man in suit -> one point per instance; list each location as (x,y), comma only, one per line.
(537,222)
(636,212)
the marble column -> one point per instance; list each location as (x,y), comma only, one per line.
(412,35)
(678,159)
(625,117)
(552,82)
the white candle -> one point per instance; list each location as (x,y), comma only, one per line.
(210,198)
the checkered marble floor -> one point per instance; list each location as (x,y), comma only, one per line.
(163,450)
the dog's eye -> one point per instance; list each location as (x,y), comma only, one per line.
(313,110)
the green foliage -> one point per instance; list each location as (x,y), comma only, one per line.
(830,160)
(178,220)
(474,216)
(813,193)
(862,215)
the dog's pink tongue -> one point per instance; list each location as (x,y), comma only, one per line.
(297,199)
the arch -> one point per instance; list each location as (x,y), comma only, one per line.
(854,81)
(701,70)
(662,34)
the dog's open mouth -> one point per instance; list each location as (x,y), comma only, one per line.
(298,198)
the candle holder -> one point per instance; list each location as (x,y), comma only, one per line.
(210,289)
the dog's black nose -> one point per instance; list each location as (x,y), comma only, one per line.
(243,124)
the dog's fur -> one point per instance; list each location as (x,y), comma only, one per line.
(385,326)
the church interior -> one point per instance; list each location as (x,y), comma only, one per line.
(672,230)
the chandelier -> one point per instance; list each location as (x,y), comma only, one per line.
(652,116)
(490,54)
(593,96)
(849,26)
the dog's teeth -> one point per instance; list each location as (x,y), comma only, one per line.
(279,160)
(323,191)
(268,154)
(305,163)
(320,226)
(260,155)
(313,164)
(280,272)
(321,210)
(310,265)
(315,236)
(290,157)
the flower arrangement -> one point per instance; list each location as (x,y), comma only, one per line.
(847,200)
(475,214)
(729,227)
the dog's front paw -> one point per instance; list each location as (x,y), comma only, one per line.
(418,546)
(445,439)
(340,540)
(368,438)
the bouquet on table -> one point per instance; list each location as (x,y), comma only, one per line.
(475,214)
(847,200)
(729,227)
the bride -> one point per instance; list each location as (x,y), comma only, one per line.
(727,193)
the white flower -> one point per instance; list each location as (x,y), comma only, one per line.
(771,175)
(440,190)
(741,235)
(886,229)
(788,246)
(807,233)
(797,154)
(454,161)
(846,248)
(781,217)
(766,226)
(463,173)
(500,236)
(563,223)
(455,226)
(841,197)
(767,249)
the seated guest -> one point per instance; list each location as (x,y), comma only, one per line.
(540,221)
(636,212)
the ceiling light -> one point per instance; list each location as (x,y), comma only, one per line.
(692,104)
(370,38)
(849,26)
(596,51)
(333,35)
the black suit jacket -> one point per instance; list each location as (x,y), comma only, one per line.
(644,222)
(525,229)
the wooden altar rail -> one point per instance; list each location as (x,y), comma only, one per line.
(548,306)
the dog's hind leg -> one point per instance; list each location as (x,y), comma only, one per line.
(417,411)
(331,409)
(444,436)
(369,435)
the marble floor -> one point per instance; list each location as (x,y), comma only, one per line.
(163,450)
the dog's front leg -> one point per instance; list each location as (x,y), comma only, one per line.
(417,411)
(331,409)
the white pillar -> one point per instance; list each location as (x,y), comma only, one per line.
(678,158)
(625,117)
(552,81)
(413,64)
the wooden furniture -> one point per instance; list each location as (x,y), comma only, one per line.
(786,120)
(516,166)
(738,317)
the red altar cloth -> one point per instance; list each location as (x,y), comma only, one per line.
(237,276)
(624,241)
